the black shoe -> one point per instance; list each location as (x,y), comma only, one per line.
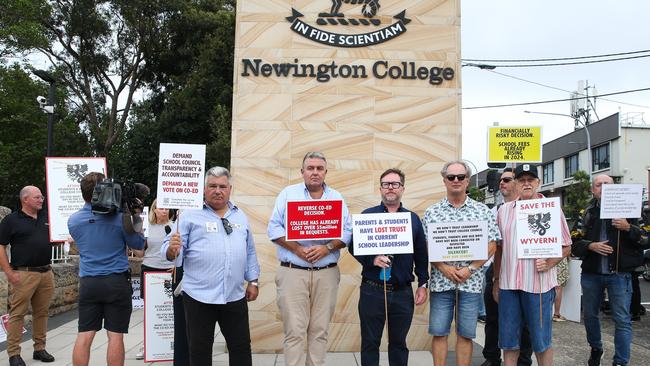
(43,355)
(595,357)
(16,361)
(491,363)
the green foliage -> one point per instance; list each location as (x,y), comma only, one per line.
(476,194)
(177,54)
(577,195)
(191,91)
(23,136)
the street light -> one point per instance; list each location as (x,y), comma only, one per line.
(577,120)
(476,170)
(51,99)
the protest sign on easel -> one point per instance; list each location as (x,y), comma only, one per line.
(382,233)
(62,177)
(158,317)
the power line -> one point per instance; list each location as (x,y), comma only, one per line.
(557,59)
(566,91)
(553,100)
(557,63)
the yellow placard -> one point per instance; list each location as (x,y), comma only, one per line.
(514,144)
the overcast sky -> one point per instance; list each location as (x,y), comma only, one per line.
(534,29)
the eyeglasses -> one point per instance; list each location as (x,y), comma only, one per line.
(506,180)
(226,225)
(393,185)
(452,177)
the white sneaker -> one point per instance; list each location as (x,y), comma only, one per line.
(140,354)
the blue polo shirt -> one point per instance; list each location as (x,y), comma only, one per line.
(102,242)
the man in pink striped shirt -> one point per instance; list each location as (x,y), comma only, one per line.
(525,284)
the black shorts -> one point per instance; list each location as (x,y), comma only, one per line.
(105,298)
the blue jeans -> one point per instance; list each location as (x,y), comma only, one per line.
(442,306)
(619,290)
(518,310)
(372,318)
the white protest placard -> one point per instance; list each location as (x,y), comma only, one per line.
(621,201)
(382,233)
(62,176)
(136,298)
(144,215)
(158,317)
(457,241)
(539,228)
(180,176)
(4,326)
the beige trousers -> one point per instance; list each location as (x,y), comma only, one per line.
(34,288)
(306,300)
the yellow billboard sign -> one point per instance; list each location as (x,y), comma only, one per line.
(514,144)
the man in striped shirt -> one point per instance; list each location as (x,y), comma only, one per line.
(525,284)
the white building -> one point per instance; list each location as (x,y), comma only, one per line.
(619,148)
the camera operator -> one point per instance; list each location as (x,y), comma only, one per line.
(105,283)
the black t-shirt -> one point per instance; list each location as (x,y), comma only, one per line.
(29,239)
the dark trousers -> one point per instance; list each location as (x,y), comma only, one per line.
(232,317)
(372,317)
(181,349)
(491,349)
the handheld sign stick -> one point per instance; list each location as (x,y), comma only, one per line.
(618,247)
(178,221)
(541,325)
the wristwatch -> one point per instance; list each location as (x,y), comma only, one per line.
(329,246)
(254,283)
(472,269)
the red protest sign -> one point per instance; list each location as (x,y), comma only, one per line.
(314,219)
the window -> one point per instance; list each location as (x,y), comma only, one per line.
(570,166)
(600,157)
(547,173)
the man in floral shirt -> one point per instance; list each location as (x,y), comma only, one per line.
(459,281)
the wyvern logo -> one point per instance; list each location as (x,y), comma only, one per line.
(335,17)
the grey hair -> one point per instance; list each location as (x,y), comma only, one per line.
(313,155)
(468,170)
(218,171)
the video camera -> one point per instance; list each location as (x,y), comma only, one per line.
(111,196)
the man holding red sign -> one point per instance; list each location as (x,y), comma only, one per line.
(308,277)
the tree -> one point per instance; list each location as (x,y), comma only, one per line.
(476,194)
(190,95)
(98,50)
(23,136)
(577,195)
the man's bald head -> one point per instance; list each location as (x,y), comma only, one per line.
(597,183)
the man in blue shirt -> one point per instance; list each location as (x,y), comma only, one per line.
(308,276)
(105,282)
(215,245)
(399,293)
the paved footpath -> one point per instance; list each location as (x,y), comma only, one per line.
(568,339)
